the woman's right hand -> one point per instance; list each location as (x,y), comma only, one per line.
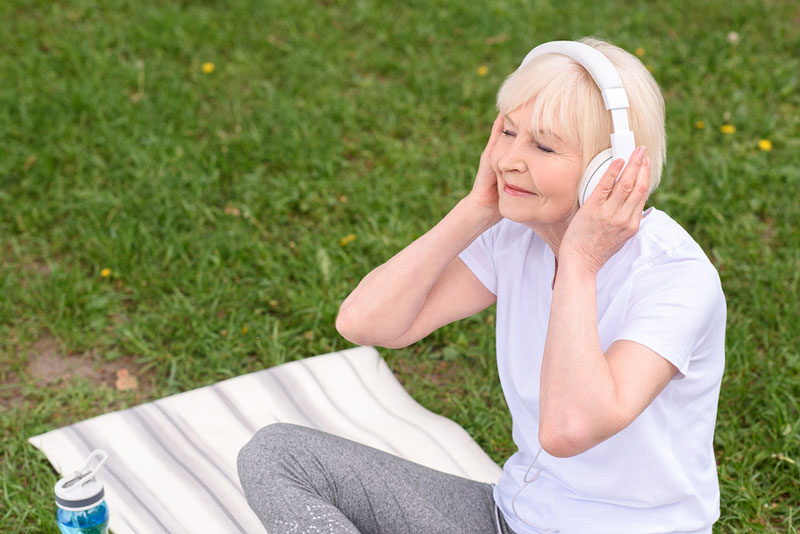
(484,191)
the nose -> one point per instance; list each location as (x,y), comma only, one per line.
(511,159)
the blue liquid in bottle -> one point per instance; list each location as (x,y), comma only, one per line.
(91,521)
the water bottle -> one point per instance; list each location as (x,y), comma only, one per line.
(80,498)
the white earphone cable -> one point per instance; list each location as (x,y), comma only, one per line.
(526,483)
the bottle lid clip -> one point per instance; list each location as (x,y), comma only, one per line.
(82,490)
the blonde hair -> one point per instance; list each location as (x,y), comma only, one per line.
(563,98)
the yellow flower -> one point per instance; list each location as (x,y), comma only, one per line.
(483,70)
(245,329)
(699,125)
(727,129)
(639,51)
(208,67)
(765,145)
(105,273)
(346,239)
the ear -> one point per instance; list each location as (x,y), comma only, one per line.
(591,176)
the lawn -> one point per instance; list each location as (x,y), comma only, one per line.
(190,189)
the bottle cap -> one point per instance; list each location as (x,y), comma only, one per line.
(82,490)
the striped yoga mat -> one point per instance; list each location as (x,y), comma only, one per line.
(172,462)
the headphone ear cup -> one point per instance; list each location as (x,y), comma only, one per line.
(591,176)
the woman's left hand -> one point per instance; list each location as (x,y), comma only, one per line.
(611,214)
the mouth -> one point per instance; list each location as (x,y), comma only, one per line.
(516,191)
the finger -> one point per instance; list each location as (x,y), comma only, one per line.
(497,129)
(625,184)
(606,183)
(638,197)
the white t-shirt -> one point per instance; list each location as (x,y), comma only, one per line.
(658,475)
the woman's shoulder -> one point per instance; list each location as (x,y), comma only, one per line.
(661,238)
(665,250)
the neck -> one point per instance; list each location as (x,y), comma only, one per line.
(552,234)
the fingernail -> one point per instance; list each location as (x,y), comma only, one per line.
(640,152)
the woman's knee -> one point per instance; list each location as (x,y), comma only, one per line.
(266,450)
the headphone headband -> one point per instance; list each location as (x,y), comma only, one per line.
(599,66)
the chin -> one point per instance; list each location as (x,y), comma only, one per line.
(520,212)
(535,215)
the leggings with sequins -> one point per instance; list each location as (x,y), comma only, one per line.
(303,481)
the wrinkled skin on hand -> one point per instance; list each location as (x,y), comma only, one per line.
(610,216)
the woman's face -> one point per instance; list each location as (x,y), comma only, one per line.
(538,173)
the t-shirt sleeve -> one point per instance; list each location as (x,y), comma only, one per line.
(672,307)
(479,258)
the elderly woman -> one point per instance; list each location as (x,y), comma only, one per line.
(610,339)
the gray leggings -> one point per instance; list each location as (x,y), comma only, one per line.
(299,480)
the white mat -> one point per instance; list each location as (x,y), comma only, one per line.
(172,462)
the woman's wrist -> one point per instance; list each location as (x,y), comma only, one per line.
(576,265)
(481,215)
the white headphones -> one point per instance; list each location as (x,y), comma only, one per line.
(608,80)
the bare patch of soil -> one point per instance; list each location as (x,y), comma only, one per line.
(48,365)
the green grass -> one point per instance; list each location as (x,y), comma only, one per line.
(324,119)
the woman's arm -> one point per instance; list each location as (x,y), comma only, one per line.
(426,285)
(587,396)
(423,287)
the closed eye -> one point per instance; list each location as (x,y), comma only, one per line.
(543,148)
